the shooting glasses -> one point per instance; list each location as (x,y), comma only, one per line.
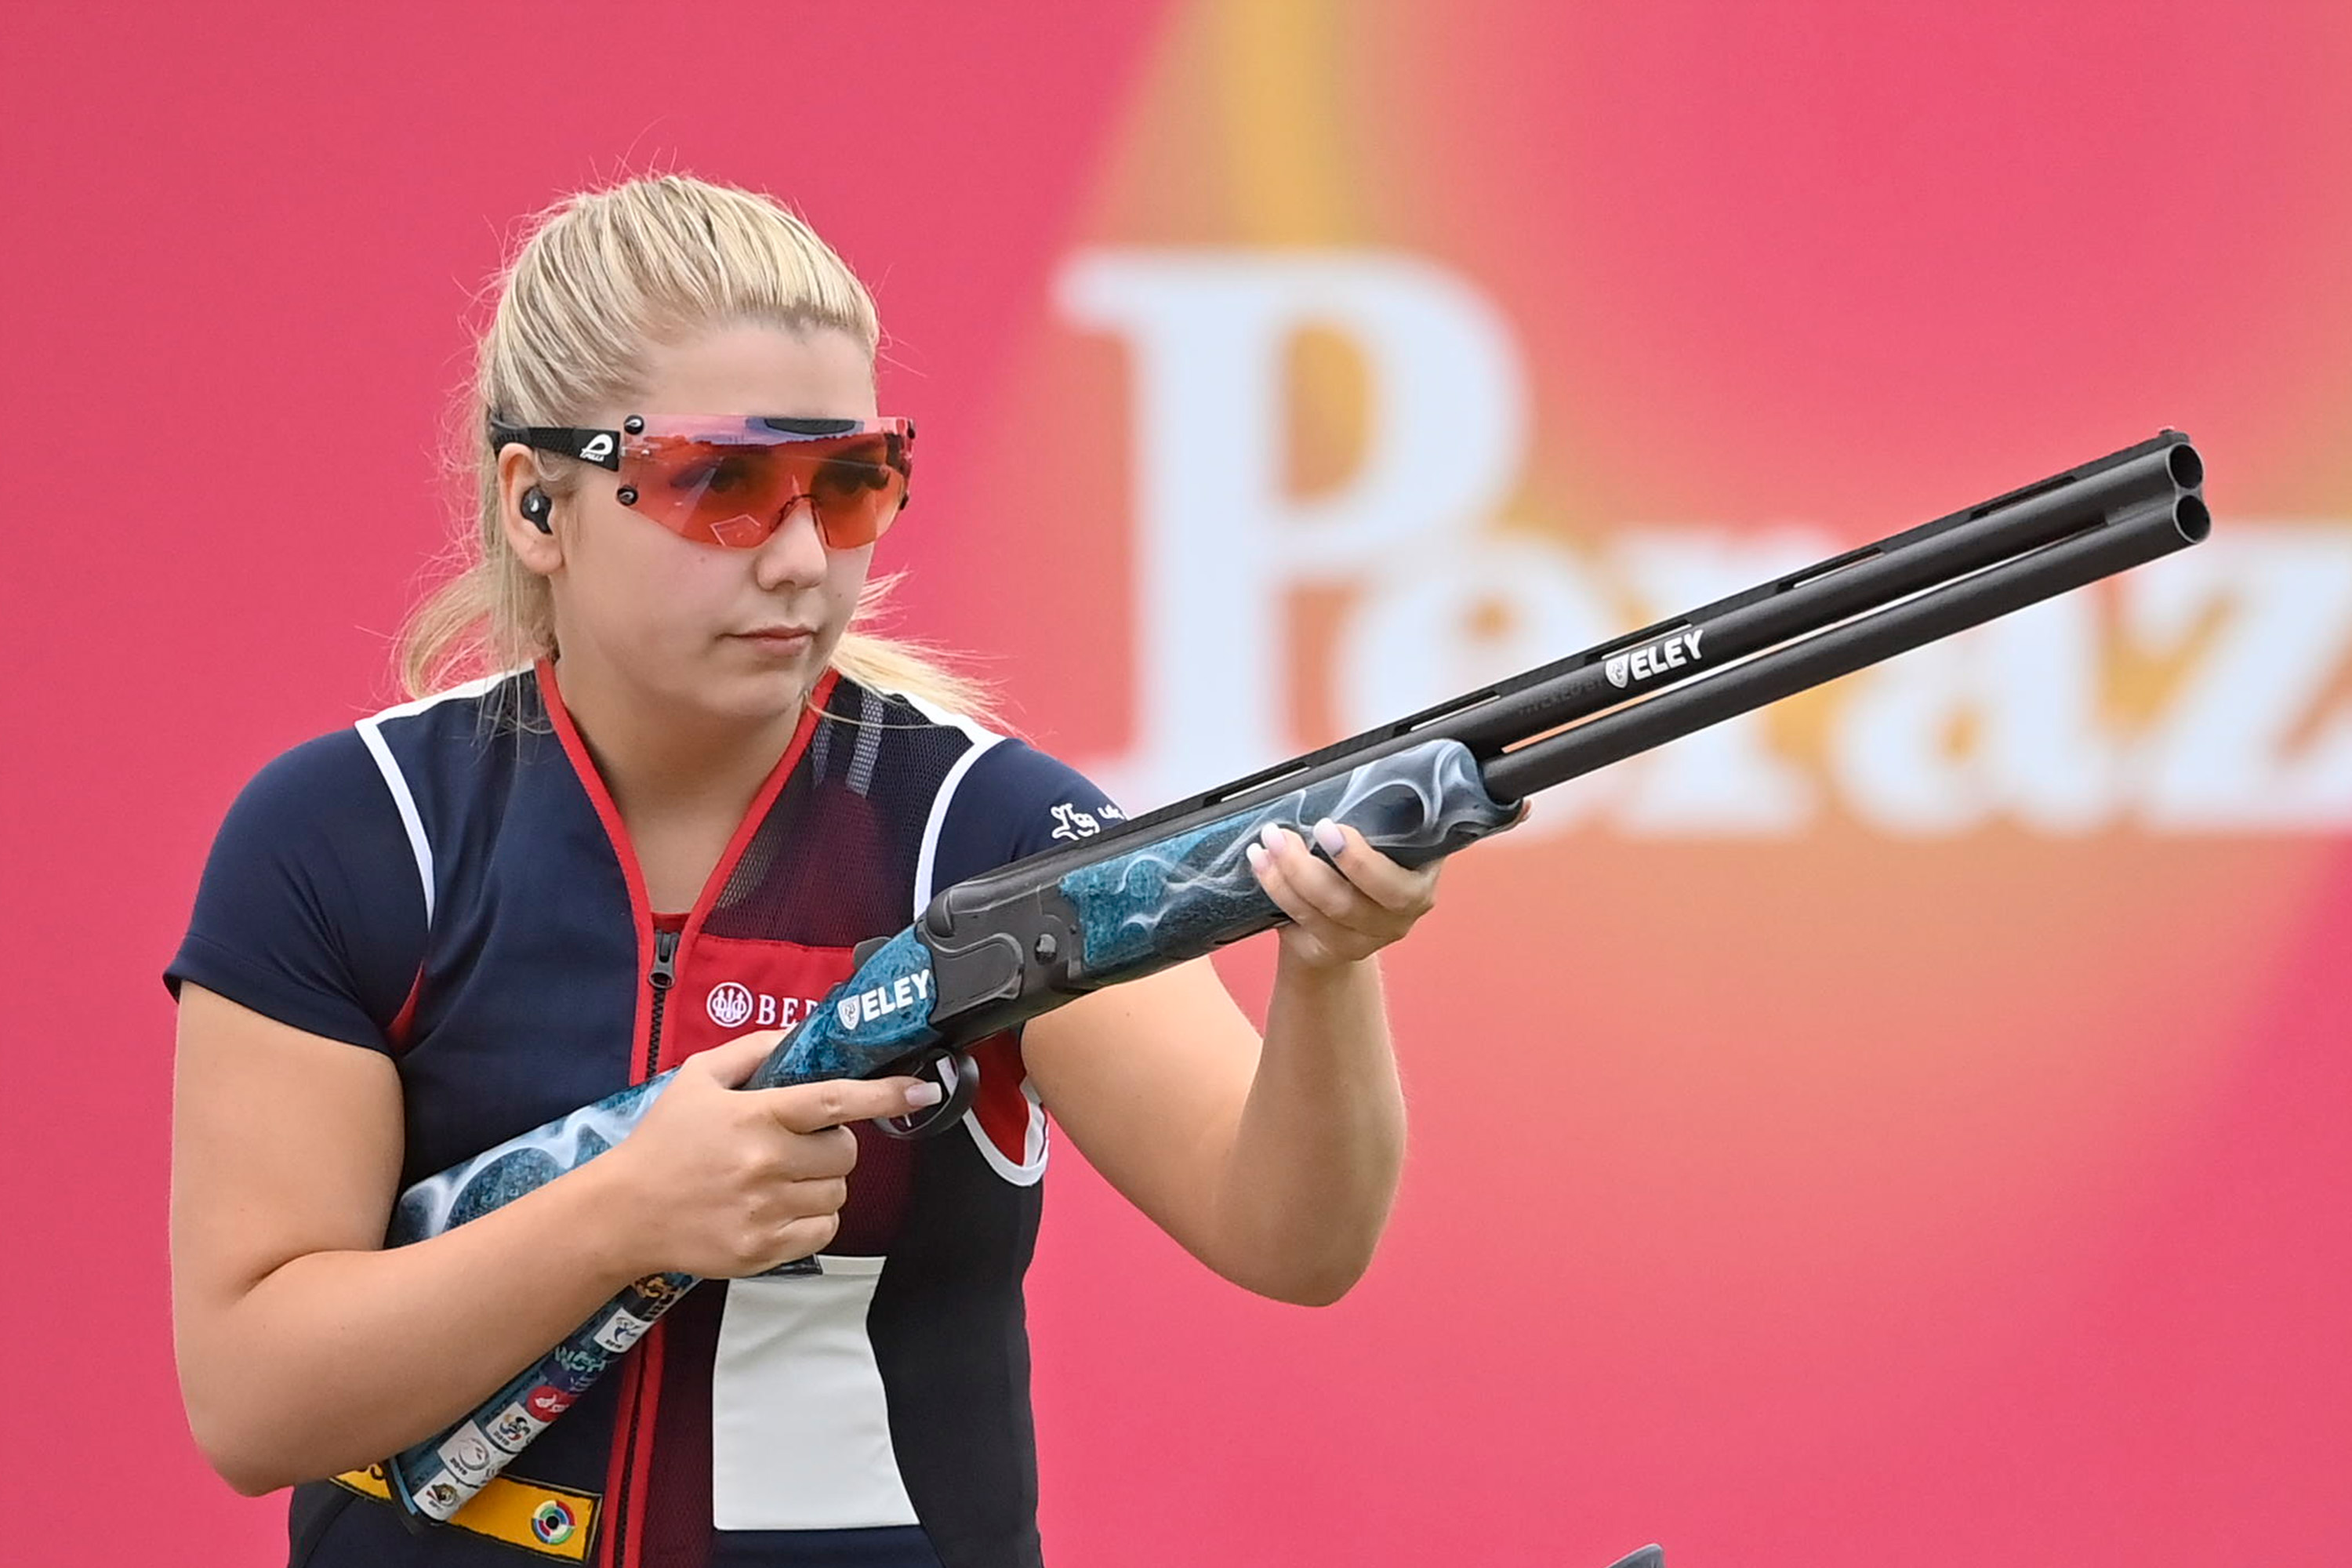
(731,479)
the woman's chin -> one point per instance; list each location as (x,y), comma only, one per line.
(758,696)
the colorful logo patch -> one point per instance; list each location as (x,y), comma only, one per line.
(553,1522)
(514,1426)
(467,1455)
(547,1402)
(621,1331)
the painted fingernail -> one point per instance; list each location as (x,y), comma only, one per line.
(924,1094)
(1271,836)
(1327,834)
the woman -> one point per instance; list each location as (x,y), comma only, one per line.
(691,792)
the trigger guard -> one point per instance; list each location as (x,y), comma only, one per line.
(961,1082)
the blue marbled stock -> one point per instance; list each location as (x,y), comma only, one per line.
(528,1161)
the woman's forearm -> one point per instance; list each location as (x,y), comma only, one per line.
(336,1360)
(1313,1168)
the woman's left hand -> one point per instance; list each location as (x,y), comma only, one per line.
(1344,910)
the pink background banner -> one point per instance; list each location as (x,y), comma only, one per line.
(1906,1125)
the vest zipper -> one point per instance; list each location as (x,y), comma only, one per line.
(664,972)
(661,977)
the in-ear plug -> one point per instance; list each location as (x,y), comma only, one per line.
(536,507)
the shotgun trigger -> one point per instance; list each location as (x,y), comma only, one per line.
(952,1072)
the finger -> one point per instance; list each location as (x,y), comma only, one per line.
(1304,917)
(829,1152)
(1275,878)
(803,1236)
(1322,886)
(732,1061)
(766,1247)
(1400,888)
(810,1194)
(806,1106)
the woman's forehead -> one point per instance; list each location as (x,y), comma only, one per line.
(747,368)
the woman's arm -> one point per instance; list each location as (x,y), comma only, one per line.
(305,1349)
(1274,1163)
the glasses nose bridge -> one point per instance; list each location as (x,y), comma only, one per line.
(781,521)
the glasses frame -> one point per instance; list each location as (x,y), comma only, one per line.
(606,447)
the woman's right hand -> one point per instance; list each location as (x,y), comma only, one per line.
(722,1183)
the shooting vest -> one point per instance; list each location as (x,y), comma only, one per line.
(803,1416)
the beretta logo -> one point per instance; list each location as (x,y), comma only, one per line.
(730,1004)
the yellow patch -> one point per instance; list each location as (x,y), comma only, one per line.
(553,1521)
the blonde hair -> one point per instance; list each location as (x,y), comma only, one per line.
(601,274)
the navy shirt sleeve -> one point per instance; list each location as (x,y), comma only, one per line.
(311,909)
(1015,802)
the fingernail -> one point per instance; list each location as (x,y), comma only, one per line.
(1327,834)
(1256,856)
(1271,836)
(924,1094)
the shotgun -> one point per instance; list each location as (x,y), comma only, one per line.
(1170,886)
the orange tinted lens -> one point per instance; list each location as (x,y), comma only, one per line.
(856,493)
(737,493)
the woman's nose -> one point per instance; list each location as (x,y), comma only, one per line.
(795,553)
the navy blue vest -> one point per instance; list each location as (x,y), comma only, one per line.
(490,930)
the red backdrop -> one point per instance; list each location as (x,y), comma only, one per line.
(1905,1127)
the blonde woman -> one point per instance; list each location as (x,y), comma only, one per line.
(650,834)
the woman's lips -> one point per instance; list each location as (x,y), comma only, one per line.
(778,639)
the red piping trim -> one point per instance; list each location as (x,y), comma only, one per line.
(612,1543)
(641,1467)
(583,767)
(396,1033)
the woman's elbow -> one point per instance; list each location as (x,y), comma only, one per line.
(249,1485)
(229,1446)
(246,1474)
(1318,1291)
(1305,1281)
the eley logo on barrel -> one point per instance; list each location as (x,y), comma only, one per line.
(1654,659)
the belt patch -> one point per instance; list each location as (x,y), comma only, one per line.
(550,1521)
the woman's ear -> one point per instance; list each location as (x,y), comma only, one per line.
(526,510)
